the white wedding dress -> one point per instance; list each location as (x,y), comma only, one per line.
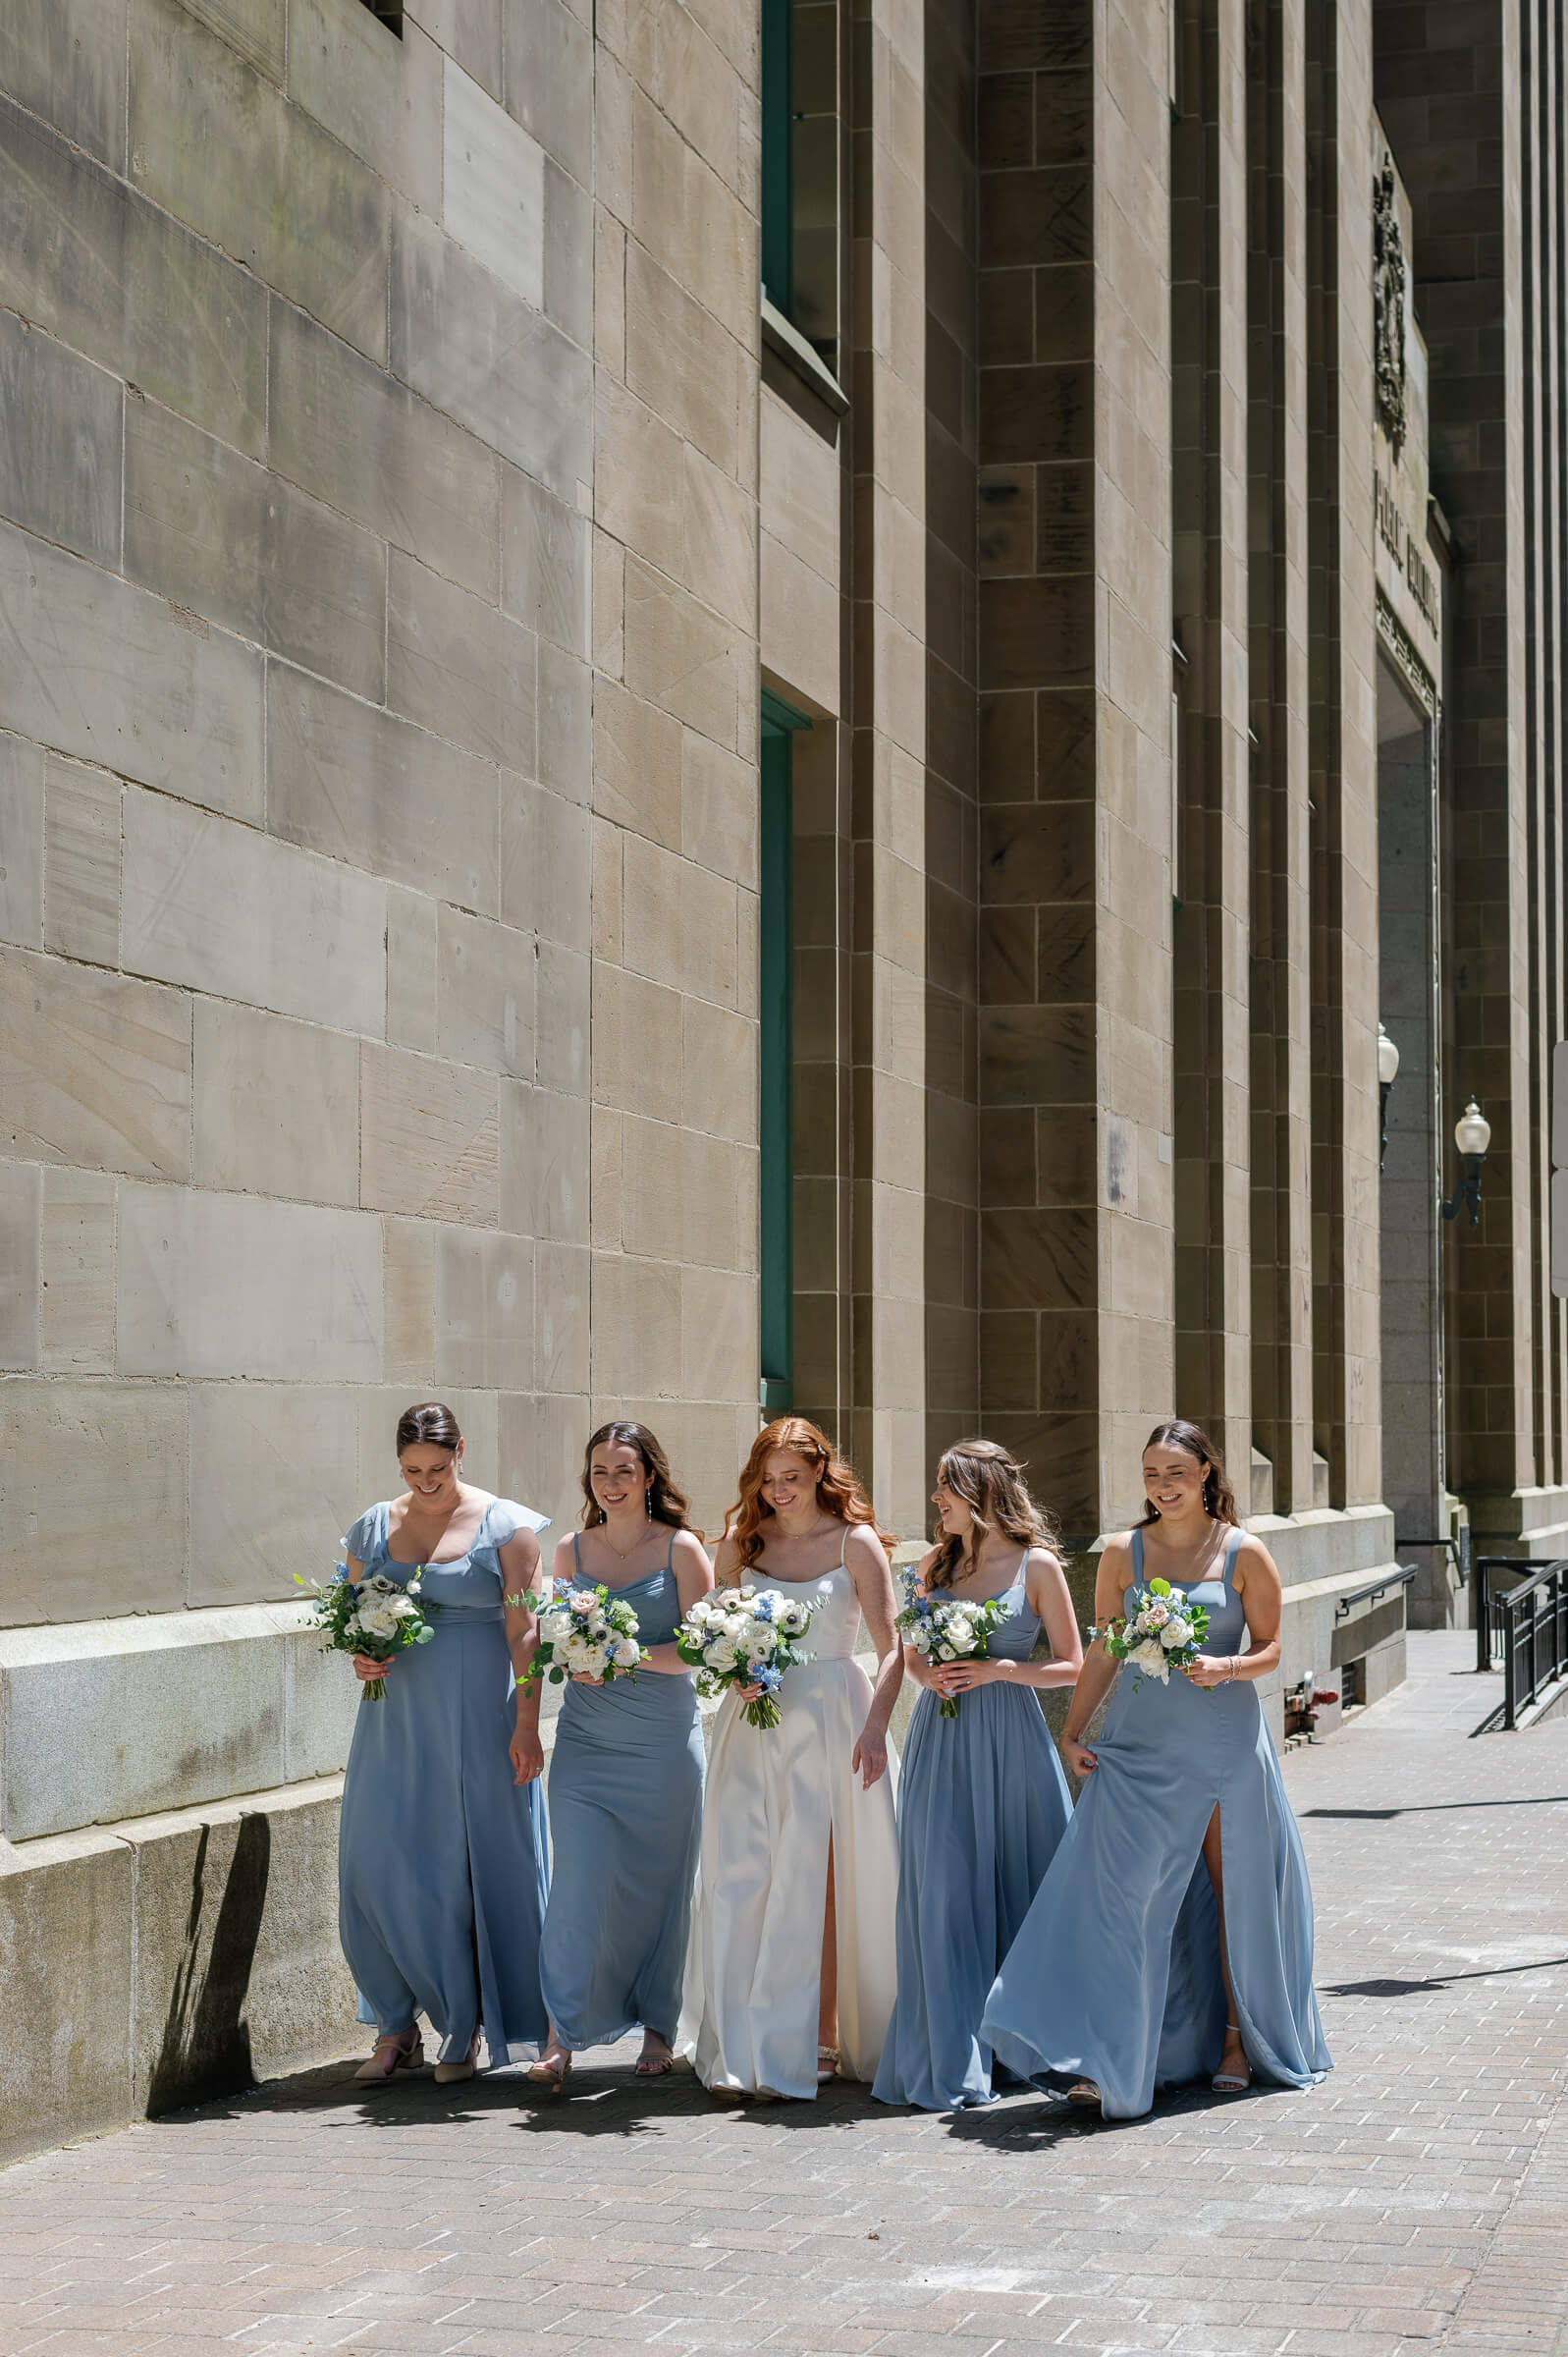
(775,1796)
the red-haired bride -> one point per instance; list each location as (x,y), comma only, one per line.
(793,1972)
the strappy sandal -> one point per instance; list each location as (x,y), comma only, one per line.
(827,2065)
(546,2074)
(1084,2094)
(1231,2082)
(448,2073)
(391,2056)
(655,2065)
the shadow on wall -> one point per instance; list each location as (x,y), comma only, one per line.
(206,2045)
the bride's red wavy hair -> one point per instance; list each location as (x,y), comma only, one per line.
(838,1490)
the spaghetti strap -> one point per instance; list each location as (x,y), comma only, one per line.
(1137,1559)
(576,1556)
(843,1546)
(670,1551)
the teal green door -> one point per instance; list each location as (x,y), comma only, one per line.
(775,1116)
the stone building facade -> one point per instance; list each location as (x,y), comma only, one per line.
(708,706)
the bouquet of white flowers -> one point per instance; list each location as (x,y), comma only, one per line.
(744,1637)
(949,1628)
(1162,1632)
(584,1633)
(376,1618)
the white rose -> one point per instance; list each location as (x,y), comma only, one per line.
(1175,1634)
(582,1604)
(627,1654)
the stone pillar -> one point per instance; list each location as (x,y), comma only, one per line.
(1208,359)
(1075,1088)
(1342,752)
(888,758)
(1277,582)
(1459,131)
(952,1370)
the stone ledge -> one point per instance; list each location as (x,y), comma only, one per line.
(169,1960)
(106,1721)
(101,1721)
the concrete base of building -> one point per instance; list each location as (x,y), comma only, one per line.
(167,1960)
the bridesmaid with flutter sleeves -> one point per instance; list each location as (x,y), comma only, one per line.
(1172,1937)
(441,1848)
(791,1972)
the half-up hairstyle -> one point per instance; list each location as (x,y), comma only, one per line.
(664,1502)
(1218,1497)
(838,1489)
(991,1484)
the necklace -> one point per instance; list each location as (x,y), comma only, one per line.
(625,1555)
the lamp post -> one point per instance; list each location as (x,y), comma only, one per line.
(1472,1135)
(1388,1074)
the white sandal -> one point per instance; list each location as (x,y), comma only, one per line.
(1230,2082)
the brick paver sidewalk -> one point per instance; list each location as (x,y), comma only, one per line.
(1418,2201)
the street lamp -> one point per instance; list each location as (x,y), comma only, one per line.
(1388,1074)
(1472,1135)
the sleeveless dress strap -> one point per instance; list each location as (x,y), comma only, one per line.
(843,1546)
(670,1551)
(576,1556)
(1137,1559)
(1234,1541)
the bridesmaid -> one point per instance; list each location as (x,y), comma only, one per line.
(981,1799)
(440,1855)
(791,1958)
(626,1776)
(1172,1936)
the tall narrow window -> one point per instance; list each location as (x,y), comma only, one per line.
(778,176)
(776,1111)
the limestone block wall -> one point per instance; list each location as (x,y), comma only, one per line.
(317,341)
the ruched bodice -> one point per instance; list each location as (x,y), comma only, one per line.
(655,1598)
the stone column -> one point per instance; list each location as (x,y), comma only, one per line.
(1342,752)
(952,1370)
(1277,582)
(1455,122)
(1076,1088)
(1208,359)
(888,758)
(676,735)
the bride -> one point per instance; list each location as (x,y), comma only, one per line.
(791,1969)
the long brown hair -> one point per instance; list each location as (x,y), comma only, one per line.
(838,1490)
(1218,1497)
(992,1485)
(664,1502)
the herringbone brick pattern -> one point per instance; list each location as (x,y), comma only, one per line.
(1418,2202)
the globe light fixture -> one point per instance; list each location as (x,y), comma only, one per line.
(1388,1074)
(1472,1135)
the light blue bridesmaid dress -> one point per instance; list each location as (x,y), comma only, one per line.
(1115,1974)
(982,1805)
(442,1871)
(626,1826)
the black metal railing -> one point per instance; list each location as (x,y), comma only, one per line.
(1523,1629)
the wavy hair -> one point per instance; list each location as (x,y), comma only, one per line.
(838,1489)
(1218,1497)
(990,1483)
(666,1503)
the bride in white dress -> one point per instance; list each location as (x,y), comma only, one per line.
(792,1973)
